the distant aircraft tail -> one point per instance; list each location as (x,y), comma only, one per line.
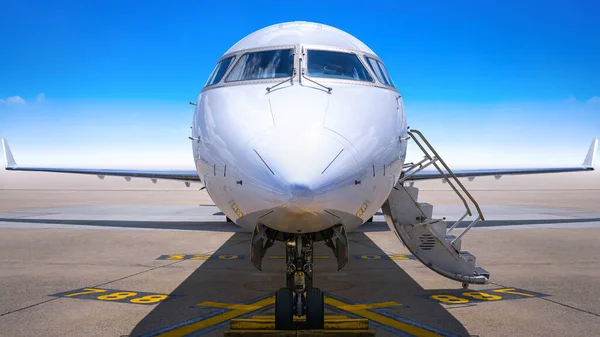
(591,155)
(9,160)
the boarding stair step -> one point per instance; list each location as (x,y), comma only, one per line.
(482,272)
(427,238)
(470,258)
(456,244)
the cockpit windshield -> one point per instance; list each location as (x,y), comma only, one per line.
(380,71)
(219,71)
(263,65)
(332,64)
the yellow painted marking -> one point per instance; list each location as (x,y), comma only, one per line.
(314,257)
(263,317)
(272,317)
(478,295)
(449,299)
(237,310)
(270,333)
(149,299)
(370,257)
(176,257)
(359,310)
(200,257)
(269,324)
(87,291)
(362,209)
(251,324)
(236,209)
(399,257)
(228,257)
(117,296)
(512,291)
(365,306)
(232,306)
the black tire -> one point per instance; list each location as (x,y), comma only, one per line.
(315,309)
(284,309)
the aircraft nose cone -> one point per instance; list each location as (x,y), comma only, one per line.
(305,164)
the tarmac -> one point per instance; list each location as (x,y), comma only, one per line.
(134,270)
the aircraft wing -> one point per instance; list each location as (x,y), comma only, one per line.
(588,165)
(182,175)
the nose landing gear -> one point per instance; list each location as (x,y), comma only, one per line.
(299,298)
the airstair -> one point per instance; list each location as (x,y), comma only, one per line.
(429,239)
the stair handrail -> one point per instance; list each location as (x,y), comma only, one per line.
(439,169)
(481,217)
(408,167)
(457,223)
(466,230)
(409,173)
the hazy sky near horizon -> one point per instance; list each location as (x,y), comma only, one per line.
(107,83)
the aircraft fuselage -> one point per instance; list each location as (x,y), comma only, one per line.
(298,157)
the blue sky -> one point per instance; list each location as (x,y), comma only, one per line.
(106,83)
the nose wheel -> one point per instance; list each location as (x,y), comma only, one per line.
(284,309)
(299,298)
(315,309)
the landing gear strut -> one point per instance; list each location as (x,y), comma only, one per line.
(299,298)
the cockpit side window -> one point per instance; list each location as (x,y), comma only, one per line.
(338,65)
(380,71)
(263,65)
(219,71)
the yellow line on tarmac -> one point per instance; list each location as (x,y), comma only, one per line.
(237,310)
(364,306)
(398,257)
(272,317)
(314,257)
(233,306)
(361,310)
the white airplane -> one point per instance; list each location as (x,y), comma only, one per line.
(300,136)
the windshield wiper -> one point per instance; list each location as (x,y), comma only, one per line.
(291,78)
(317,83)
(303,75)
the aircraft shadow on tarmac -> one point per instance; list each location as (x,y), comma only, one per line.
(236,281)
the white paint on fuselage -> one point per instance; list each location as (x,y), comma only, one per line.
(299,159)
(296,33)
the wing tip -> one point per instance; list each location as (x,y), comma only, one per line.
(590,158)
(9,160)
